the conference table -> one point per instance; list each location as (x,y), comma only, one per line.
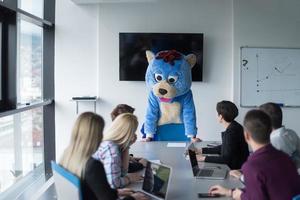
(183,185)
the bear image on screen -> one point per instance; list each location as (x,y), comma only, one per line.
(132,48)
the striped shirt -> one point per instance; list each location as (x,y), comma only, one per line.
(109,154)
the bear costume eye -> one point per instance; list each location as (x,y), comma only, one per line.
(158,77)
(172,79)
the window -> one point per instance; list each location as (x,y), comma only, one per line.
(27,136)
(30,62)
(34,7)
(21,146)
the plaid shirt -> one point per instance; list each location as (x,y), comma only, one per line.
(110,156)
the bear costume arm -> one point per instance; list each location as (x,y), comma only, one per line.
(152,115)
(189,115)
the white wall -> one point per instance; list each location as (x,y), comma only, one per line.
(86,61)
(267,23)
(76,63)
(77,56)
(211,17)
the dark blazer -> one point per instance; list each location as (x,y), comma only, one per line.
(95,185)
(234,149)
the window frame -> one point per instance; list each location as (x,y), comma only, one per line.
(8,69)
(8,103)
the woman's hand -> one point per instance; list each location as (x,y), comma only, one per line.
(125,192)
(195,139)
(148,139)
(143,162)
(130,192)
(134,177)
(217,189)
(139,196)
(236,195)
(235,173)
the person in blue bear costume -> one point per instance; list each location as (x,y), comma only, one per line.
(170,100)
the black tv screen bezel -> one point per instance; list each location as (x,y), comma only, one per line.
(197,71)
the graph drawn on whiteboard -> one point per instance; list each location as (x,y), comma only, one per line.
(270,75)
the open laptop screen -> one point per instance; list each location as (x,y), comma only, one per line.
(156,179)
(194,162)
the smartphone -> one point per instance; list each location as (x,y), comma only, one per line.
(208,195)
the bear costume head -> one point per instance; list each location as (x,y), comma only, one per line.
(169,73)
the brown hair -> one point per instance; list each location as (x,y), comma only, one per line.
(228,110)
(258,124)
(275,113)
(121,108)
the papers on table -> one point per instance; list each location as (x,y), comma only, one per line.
(176,144)
(155,161)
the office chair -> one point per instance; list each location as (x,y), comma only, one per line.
(67,185)
(170,132)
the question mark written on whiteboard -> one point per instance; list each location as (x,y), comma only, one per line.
(245,62)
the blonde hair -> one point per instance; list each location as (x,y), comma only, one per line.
(122,130)
(86,136)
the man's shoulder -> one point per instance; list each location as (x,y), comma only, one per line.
(284,136)
(290,132)
(237,125)
(280,157)
(235,128)
(251,167)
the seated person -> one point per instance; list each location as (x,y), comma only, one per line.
(234,150)
(268,172)
(113,152)
(77,158)
(135,164)
(283,139)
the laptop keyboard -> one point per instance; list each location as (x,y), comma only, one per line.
(206,172)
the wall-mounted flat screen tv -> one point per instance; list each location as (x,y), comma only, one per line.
(133,62)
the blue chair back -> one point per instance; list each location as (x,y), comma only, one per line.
(67,185)
(169,132)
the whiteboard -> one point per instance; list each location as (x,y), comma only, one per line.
(270,75)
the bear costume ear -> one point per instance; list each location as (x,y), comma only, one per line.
(191,59)
(150,55)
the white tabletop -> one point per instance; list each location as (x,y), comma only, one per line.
(183,185)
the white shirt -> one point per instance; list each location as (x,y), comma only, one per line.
(287,140)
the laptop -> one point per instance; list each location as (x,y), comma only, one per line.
(188,147)
(209,172)
(156,181)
